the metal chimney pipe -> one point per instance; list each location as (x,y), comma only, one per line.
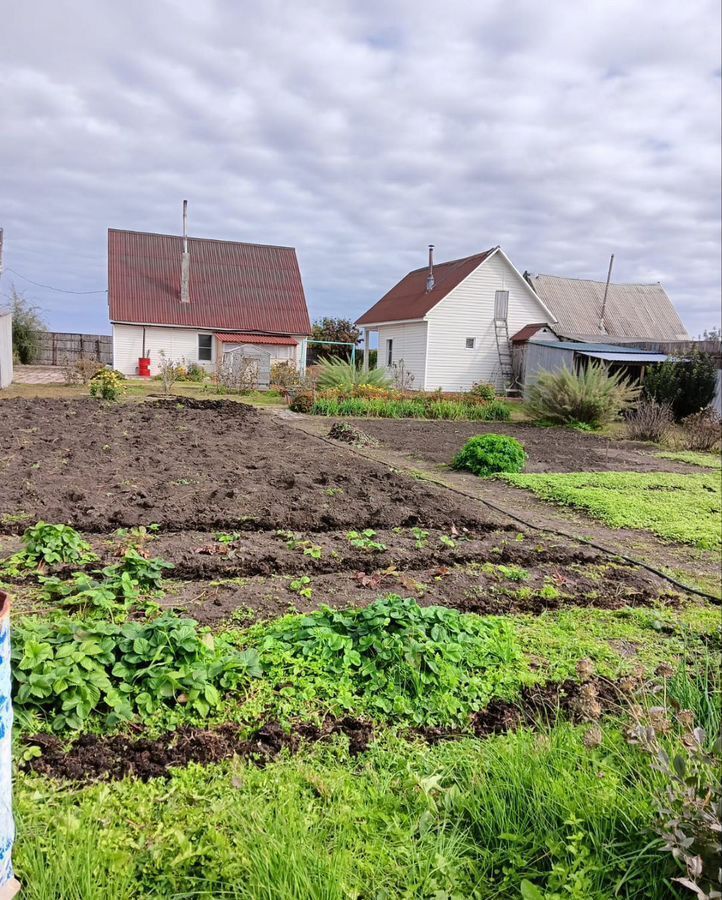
(430,278)
(604,299)
(185,260)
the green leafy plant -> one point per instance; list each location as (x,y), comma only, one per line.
(224,537)
(421,537)
(364,540)
(49,545)
(686,384)
(302,587)
(483,391)
(488,454)
(393,659)
(107,384)
(447,541)
(593,396)
(67,670)
(406,408)
(27,326)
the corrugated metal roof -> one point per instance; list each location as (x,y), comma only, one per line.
(589,348)
(277,340)
(633,310)
(409,299)
(626,357)
(529,331)
(247,287)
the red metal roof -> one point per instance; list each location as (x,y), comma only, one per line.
(257,339)
(247,287)
(529,331)
(410,299)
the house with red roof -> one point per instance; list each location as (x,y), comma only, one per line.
(448,325)
(194,299)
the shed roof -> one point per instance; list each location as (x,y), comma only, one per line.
(409,299)
(275,339)
(632,310)
(608,352)
(246,287)
(529,331)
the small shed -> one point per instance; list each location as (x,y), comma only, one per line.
(552,356)
(246,368)
(6,348)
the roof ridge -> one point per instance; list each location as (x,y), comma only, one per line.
(450,262)
(596,281)
(193,238)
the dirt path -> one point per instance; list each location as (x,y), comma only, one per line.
(698,568)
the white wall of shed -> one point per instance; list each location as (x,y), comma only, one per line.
(279,352)
(468,312)
(6,350)
(178,344)
(409,345)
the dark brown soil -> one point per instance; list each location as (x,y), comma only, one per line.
(93,757)
(202,465)
(548,449)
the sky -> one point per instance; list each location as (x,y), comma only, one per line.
(360,132)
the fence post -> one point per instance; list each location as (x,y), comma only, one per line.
(55,349)
(9,886)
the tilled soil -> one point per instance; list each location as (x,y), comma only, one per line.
(96,757)
(548,449)
(196,464)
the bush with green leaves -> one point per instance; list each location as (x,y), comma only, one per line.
(686,384)
(488,454)
(107,384)
(67,670)
(592,396)
(392,660)
(482,391)
(27,325)
(336,373)
(52,545)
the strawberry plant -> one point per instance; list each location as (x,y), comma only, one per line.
(421,537)
(302,587)
(49,545)
(364,540)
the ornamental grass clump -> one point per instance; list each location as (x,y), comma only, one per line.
(489,454)
(335,373)
(592,397)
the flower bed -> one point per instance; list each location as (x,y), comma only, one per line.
(366,401)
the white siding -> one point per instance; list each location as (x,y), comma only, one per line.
(409,345)
(468,312)
(6,349)
(179,344)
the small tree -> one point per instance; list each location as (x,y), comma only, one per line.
(334,329)
(170,372)
(27,326)
(686,384)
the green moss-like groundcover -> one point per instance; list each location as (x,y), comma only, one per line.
(683,508)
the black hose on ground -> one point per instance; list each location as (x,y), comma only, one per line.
(505,512)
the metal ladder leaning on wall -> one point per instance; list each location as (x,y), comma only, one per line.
(503,344)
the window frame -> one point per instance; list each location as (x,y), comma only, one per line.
(389,352)
(202,359)
(471,346)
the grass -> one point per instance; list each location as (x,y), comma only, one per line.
(494,410)
(692,458)
(684,508)
(459,819)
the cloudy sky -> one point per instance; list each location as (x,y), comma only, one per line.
(359,132)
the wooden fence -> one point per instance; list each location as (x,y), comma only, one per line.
(57,348)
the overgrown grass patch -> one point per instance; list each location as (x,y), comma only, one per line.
(684,508)
(459,819)
(692,458)
(493,410)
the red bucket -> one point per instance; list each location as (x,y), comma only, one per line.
(144,366)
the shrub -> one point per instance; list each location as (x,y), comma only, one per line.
(170,371)
(687,385)
(194,372)
(285,375)
(487,454)
(702,430)
(26,327)
(592,396)
(649,421)
(482,391)
(81,371)
(108,384)
(302,403)
(335,373)
(55,544)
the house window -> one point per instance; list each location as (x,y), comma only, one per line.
(470,343)
(389,352)
(205,348)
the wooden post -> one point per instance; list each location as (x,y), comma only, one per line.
(55,349)
(366,350)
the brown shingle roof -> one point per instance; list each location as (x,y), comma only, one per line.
(275,339)
(409,299)
(243,287)
(528,331)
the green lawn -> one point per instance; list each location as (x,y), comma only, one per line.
(684,508)
(706,460)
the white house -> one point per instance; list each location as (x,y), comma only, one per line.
(196,298)
(449,324)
